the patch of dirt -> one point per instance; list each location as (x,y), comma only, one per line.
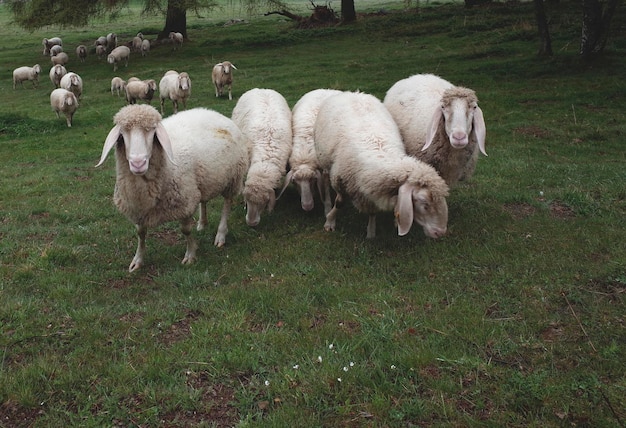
(179,330)
(532,131)
(520,211)
(15,415)
(561,211)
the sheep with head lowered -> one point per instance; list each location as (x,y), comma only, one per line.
(136,42)
(168,168)
(48,43)
(177,39)
(60,58)
(263,115)
(176,87)
(140,90)
(101,51)
(441,124)
(360,148)
(117,55)
(111,39)
(145,47)
(56,73)
(304,170)
(55,50)
(118,85)
(222,76)
(21,74)
(64,101)
(72,82)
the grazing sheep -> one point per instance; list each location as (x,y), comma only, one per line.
(145,47)
(55,50)
(111,41)
(101,41)
(140,90)
(56,73)
(176,87)
(223,76)
(167,168)
(21,74)
(101,51)
(304,170)
(73,83)
(359,146)
(263,115)
(177,40)
(81,52)
(48,43)
(61,58)
(62,100)
(117,55)
(119,85)
(441,124)
(136,42)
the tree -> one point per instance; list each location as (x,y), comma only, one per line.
(597,17)
(545,48)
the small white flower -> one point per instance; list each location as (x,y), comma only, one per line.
(393,367)
(331,346)
(345,368)
(351,364)
(338,379)
(319,359)
(267,383)
(296,367)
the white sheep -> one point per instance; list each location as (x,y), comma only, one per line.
(145,47)
(263,115)
(64,101)
(176,39)
(167,168)
(118,84)
(101,41)
(81,52)
(222,76)
(176,87)
(117,55)
(304,170)
(140,90)
(359,146)
(111,40)
(101,51)
(441,124)
(73,83)
(55,50)
(60,58)
(136,42)
(21,74)
(56,73)
(48,43)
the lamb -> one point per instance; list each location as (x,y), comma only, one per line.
(64,101)
(304,170)
(117,55)
(167,168)
(263,115)
(55,50)
(359,146)
(81,52)
(177,39)
(118,84)
(21,74)
(441,124)
(73,83)
(140,90)
(48,43)
(176,87)
(61,58)
(145,47)
(56,73)
(222,76)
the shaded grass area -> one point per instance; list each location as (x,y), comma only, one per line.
(516,318)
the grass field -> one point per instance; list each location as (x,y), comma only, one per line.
(516,318)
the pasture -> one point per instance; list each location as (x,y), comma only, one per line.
(516,318)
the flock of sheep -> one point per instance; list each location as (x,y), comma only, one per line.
(399,155)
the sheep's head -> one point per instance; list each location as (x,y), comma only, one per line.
(258,193)
(136,126)
(37,69)
(184,82)
(304,178)
(461,117)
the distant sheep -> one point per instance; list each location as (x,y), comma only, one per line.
(441,124)
(177,39)
(145,47)
(140,90)
(21,74)
(136,42)
(55,50)
(101,51)
(222,76)
(176,87)
(118,85)
(64,101)
(81,52)
(263,115)
(111,40)
(167,168)
(304,170)
(56,73)
(101,41)
(61,58)
(48,43)
(73,83)
(359,146)
(117,55)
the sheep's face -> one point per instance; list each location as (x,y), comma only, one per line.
(305,180)
(257,200)
(458,117)
(138,144)
(431,213)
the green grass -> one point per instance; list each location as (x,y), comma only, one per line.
(516,318)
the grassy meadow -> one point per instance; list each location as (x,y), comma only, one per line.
(516,318)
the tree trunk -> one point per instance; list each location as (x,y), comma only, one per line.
(348,13)
(595,27)
(545,48)
(175,20)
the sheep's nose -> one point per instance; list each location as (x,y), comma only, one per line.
(458,139)
(138,166)
(437,232)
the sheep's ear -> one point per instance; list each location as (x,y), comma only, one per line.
(404,209)
(233,66)
(165,142)
(480,129)
(110,142)
(434,125)
(287,181)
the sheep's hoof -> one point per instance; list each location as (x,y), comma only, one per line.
(134,265)
(188,260)
(329,228)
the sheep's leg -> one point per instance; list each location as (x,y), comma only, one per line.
(222,229)
(371,226)
(141,248)
(190,255)
(331,217)
(230,92)
(203,221)
(326,189)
